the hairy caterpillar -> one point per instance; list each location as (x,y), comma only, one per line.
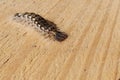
(42,25)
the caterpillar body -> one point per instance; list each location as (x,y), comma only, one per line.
(42,25)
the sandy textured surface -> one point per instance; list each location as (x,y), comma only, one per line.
(91,52)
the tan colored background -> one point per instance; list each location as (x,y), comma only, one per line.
(91,52)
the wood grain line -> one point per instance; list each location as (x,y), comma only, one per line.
(48,65)
(95,42)
(78,16)
(108,43)
(71,58)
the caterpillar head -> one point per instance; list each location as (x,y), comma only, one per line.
(60,36)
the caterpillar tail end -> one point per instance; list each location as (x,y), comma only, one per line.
(60,36)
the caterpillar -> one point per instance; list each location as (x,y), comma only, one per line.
(41,24)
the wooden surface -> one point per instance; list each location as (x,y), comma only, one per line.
(91,52)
